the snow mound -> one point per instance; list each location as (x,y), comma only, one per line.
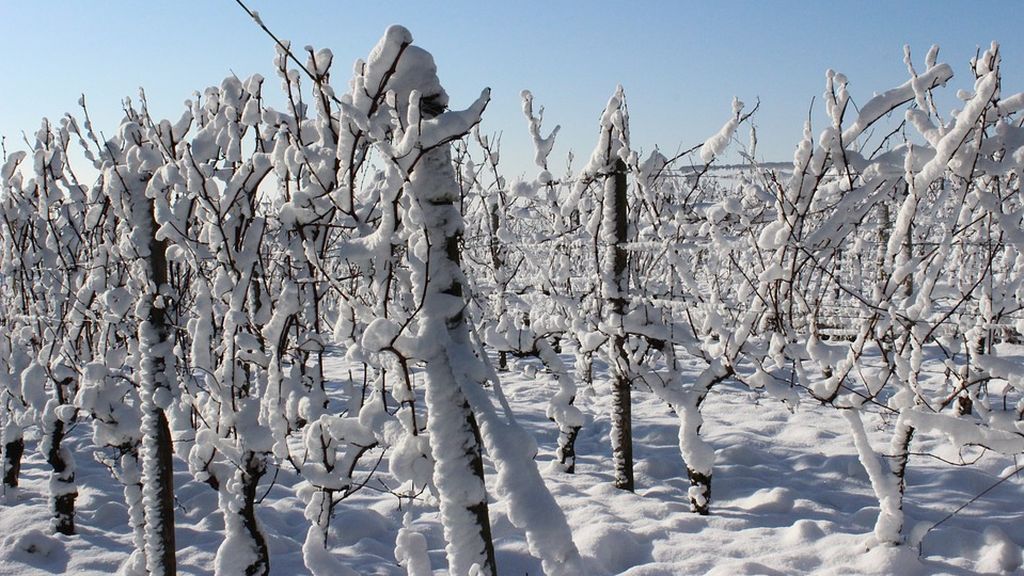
(999,554)
(768,501)
(36,548)
(33,542)
(615,548)
(802,531)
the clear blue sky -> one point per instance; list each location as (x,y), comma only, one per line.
(680,62)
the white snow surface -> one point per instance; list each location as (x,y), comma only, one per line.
(789,497)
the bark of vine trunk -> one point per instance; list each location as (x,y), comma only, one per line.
(622,408)
(157,443)
(62,484)
(701,482)
(567,449)
(454,432)
(165,466)
(902,438)
(13,451)
(254,470)
(700,478)
(479,510)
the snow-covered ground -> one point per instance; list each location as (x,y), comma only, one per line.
(789,497)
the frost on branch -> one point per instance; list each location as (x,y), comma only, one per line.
(715,145)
